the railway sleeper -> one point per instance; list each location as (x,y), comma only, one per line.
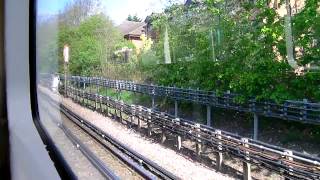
(242,154)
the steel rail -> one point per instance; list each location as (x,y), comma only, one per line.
(95,161)
(301,166)
(140,170)
(125,153)
(103,168)
(153,167)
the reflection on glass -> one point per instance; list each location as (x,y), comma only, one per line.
(249,68)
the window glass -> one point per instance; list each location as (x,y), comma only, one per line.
(181,72)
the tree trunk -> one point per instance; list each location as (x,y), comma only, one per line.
(275,4)
(167,47)
(289,38)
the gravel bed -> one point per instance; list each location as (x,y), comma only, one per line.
(80,165)
(119,168)
(174,162)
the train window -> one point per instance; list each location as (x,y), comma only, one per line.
(143,89)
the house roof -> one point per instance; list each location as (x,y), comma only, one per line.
(132,28)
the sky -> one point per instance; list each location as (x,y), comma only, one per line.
(117,10)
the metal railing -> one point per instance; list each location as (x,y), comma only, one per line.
(287,163)
(301,111)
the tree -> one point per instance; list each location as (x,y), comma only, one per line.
(248,39)
(77,11)
(91,44)
(47,45)
(134,18)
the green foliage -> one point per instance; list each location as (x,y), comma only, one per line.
(47,48)
(306,25)
(248,43)
(133,18)
(265,80)
(215,45)
(87,42)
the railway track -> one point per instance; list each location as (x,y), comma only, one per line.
(128,161)
(287,163)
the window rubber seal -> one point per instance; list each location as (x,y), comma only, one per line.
(63,168)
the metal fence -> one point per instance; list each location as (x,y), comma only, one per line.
(301,111)
(288,163)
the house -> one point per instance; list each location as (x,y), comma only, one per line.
(132,31)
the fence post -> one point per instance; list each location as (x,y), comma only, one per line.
(115,109)
(153,96)
(178,140)
(149,123)
(120,111)
(107,106)
(65,79)
(90,85)
(100,104)
(198,145)
(163,132)
(175,108)
(133,113)
(209,115)
(304,114)
(246,171)
(77,87)
(255,126)
(163,135)
(288,156)
(246,164)
(219,157)
(178,137)
(82,96)
(96,101)
(153,102)
(139,120)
